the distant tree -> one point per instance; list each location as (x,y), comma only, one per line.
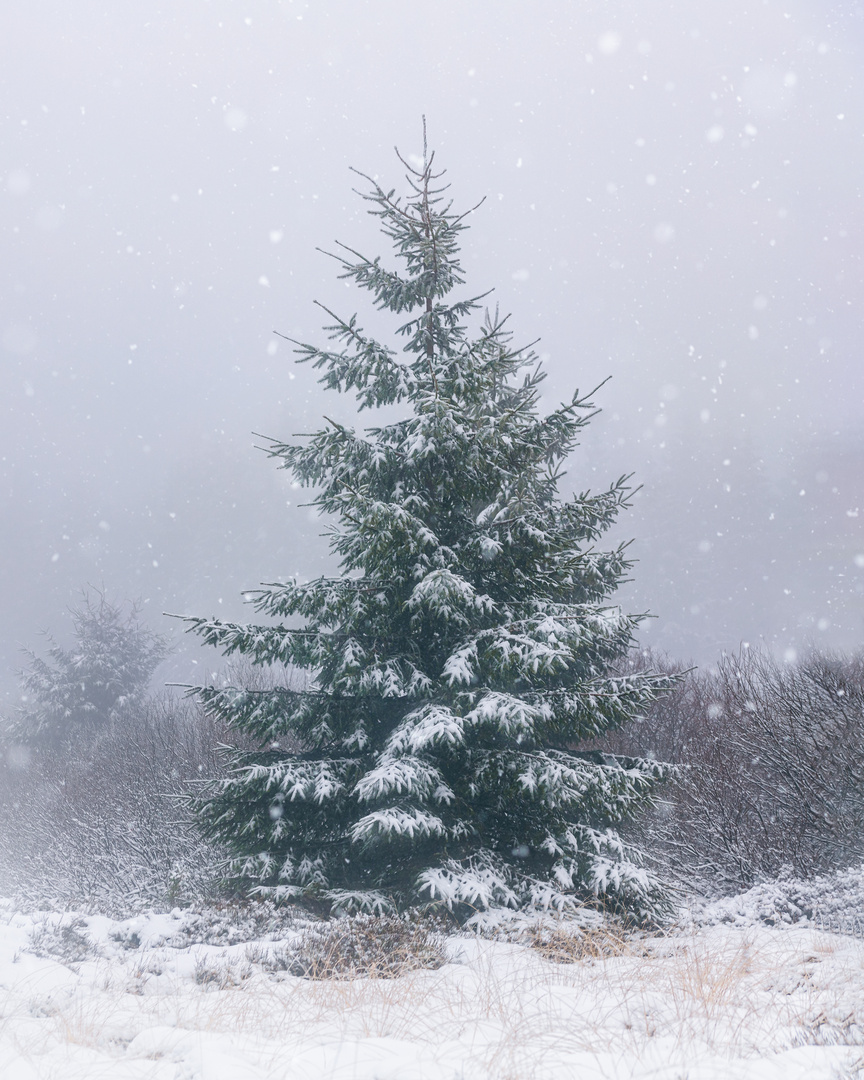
(465,651)
(90,685)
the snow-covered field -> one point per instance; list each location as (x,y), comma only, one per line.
(184,996)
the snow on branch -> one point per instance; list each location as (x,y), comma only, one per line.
(397,775)
(449,597)
(394,822)
(427,726)
(481,883)
(292,779)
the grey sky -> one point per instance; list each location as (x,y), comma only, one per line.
(673,199)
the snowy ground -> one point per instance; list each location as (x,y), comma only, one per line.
(209,997)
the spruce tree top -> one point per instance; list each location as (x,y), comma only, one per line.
(464,652)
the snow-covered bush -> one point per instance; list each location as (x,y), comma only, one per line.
(464,653)
(832,902)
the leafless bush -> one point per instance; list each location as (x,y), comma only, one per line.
(101,817)
(102,821)
(772,774)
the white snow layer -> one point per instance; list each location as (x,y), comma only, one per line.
(724,997)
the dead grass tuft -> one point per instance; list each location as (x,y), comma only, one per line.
(369,946)
(568,944)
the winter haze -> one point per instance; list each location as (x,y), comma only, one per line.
(672,198)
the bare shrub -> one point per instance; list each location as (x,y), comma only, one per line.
(772,768)
(99,814)
(101,820)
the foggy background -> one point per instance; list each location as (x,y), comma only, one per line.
(673,199)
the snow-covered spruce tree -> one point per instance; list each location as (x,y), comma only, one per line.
(465,651)
(89,686)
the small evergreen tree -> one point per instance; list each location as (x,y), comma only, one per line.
(87,687)
(465,651)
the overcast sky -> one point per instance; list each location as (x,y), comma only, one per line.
(673,198)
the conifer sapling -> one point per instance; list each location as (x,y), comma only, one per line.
(467,648)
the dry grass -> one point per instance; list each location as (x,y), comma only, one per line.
(563,943)
(378,947)
(504,1010)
